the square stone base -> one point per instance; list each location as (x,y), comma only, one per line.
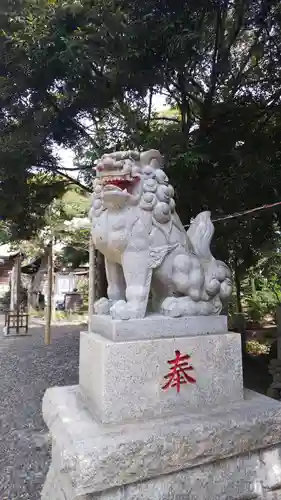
(156,326)
(232,453)
(125,381)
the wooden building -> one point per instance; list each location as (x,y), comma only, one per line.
(7,260)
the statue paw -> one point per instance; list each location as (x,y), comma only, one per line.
(185,306)
(124,310)
(102,306)
(171,307)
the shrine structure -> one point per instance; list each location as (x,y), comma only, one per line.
(160,412)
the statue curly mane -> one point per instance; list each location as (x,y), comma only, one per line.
(157,194)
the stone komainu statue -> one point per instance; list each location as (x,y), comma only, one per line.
(146,248)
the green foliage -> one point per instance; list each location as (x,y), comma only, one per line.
(261,288)
(25,210)
(71,317)
(83,288)
(4,233)
(256,348)
(261,304)
(75,206)
(58,224)
(75,203)
(28,165)
(83,74)
(73,255)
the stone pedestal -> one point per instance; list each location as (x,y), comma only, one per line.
(130,432)
(124,381)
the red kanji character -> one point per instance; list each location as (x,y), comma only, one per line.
(177,374)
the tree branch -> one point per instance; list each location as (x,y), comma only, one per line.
(76,125)
(268,116)
(150,106)
(196,84)
(74,181)
(235,83)
(239,11)
(213,78)
(166,118)
(74,169)
(181,87)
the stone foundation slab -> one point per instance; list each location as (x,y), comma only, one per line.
(230,453)
(242,478)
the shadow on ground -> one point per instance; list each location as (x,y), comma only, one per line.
(255,373)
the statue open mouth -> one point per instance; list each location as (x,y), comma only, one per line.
(122,184)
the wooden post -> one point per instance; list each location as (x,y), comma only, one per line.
(54,281)
(92,282)
(29,296)
(18,282)
(13,299)
(49,295)
(12,288)
(16,289)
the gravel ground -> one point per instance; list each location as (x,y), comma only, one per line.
(27,369)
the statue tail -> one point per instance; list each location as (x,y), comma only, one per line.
(217,274)
(200,234)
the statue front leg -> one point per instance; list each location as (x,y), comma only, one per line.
(115,289)
(115,279)
(137,274)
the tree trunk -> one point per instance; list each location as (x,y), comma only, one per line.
(12,288)
(253,287)
(238,289)
(101,281)
(16,285)
(242,330)
(92,282)
(49,295)
(36,282)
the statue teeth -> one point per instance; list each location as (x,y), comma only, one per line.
(114,177)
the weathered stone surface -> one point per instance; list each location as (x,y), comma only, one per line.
(156,326)
(235,478)
(231,479)
(146,247)
(268,495)
(98,457)
(53,489)
(271,460)
(125,380)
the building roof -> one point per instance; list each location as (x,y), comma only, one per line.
(7,251)
(31,266)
